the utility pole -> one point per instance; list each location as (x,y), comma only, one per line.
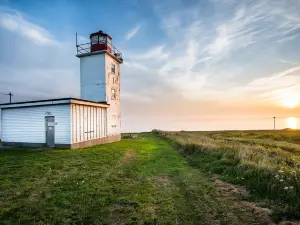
(10,95)
(274,122)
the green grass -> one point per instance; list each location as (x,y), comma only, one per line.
(135,181)
(266,162)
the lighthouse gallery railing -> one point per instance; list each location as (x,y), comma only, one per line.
(86,49)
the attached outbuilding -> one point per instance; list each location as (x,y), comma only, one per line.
(64,123)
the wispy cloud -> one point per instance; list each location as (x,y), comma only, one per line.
(203,54)
(132,32)
(270,89)
(15,22)
(286,72)
(154,53)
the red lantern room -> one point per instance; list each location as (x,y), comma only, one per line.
(100,42)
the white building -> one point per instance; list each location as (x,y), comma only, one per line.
(69,122)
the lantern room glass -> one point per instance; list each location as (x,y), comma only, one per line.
(102,39)
(94,39)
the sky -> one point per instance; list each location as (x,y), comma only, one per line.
(188,65)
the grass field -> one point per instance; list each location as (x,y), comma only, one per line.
(266,162)
(148,181)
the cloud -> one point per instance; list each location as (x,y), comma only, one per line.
(286,72)
(138,66)
(288,38)
(270,90)
(207,54)
(132,32)
(253,22)
(15,22)
(154,53)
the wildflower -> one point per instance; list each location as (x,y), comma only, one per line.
(291,187)
(281,180)
(242,178)
(82,181)
(77,183)
(280,171)
(277,176)
(285,188)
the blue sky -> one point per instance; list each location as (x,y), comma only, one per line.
(186,63)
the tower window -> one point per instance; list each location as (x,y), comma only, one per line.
(102,39)
(95,39)
(113,94)
(115,80)
(113,68)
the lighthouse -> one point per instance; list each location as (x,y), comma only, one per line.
(70,122)
(100,76)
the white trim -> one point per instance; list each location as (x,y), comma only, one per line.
(53,102)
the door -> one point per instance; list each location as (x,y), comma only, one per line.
(50,131)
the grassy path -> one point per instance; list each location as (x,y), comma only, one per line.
(140,181)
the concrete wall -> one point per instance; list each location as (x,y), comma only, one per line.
(113,82)
(93,78)
(27,124)
(88,123)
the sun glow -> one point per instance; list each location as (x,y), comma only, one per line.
(290,101)
(292,122)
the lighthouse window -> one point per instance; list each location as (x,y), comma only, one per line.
(113,94)
(113,68)
(94,39)
(102,39)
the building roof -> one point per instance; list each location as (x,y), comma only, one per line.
(58,101)
(100,32)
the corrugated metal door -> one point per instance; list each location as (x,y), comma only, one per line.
(50,131)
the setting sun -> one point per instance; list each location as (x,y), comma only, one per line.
(292,123)
(290,101)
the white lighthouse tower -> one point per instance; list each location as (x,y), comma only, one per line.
(100,76)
